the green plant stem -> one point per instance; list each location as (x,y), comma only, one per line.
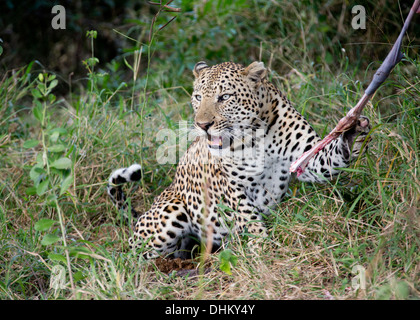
(143,105)
(63,236)
(60,214)
(136,67)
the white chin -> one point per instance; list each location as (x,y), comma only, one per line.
(219,152)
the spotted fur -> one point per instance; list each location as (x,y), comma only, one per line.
(117,179)
(249,134)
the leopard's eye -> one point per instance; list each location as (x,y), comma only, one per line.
(224,97)
(197,97)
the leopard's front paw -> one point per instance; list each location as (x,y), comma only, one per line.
(356,136)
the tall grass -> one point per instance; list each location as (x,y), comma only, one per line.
(368,217)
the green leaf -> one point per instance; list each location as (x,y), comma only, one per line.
(36,93)
(39,170)
(80,252)
(57,257)
(57,148)
(42,187)
(227,259)
(61,131)
(41,87)
(92,34)
(37,110)
(35,173)
(62,163)
(78,275)
(29,68)
(49,239)
(31,191)
(30,144)
(66,184)
(53,84)
(44,224)
(54,136)
(51,98)
(225,267)
(128,65)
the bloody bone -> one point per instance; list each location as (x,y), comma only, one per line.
(350,120)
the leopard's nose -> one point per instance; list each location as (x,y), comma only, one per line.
(205,125)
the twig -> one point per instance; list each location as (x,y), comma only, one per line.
(162,7)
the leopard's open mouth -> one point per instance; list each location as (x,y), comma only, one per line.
(215,142)
(218,142)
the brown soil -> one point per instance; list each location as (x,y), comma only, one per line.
(182,267)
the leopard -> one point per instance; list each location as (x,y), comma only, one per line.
(236,170)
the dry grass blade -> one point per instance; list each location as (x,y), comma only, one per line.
(162,7)
(173,18)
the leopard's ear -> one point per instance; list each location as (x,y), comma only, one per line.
(199,67)
(255,72)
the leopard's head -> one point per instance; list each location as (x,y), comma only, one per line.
(227,100)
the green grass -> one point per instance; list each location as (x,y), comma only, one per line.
(369,217)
